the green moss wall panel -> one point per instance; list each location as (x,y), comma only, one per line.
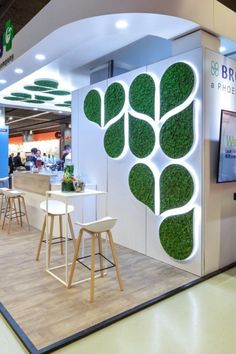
(142,185)
(176,136)
(142,95)
(114,139)
(141,137)
(92,107)
(176,187)
(114,101)
(176,235)
(176,85)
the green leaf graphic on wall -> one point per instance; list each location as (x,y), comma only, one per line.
(176,85)
(142,184)
(92,107)
(141,137)
(114,101)
(176,139)
(176,235)
(114,139)
(176,135)
(142,95)
(176,187)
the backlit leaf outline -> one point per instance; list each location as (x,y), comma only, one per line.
(142,184)
(177,133)
(142,95)
(176,187)
(92,107)
(114,101)
(176,235)
(114,138)
(141,137)
(176,85)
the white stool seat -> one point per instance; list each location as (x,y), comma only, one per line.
(100,225)
(3,179)
(2,190)
(12,193)
(55,207)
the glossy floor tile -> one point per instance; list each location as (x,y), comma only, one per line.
(201,320)
(9,343)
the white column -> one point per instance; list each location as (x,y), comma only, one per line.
(2,116)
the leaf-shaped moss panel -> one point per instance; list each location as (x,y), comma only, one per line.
(114,139)
(142,95)
(176,135)
(176,235)
(142,185)
(114,101)
(176,85)
(176,187)
(92,107)
(141,137)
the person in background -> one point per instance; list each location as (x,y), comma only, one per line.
(17,160)
(44,158)
(66,153)
(11,163)
(33,156)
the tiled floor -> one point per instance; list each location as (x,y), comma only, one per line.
(200,320)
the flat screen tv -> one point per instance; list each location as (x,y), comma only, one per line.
(227,148)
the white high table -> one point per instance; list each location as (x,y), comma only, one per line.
(65,196)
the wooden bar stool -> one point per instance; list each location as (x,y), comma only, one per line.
(55,208)
(94,229)
(3,202)
(14,211)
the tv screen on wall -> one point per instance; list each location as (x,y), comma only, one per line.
(227,148)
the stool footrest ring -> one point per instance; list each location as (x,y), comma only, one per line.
(97,270)
(57,238)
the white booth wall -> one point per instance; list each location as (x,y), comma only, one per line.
(219,206)
(137,227)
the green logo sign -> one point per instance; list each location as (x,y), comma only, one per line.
(8,35)
(214,68)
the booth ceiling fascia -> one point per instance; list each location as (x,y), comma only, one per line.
(60,24)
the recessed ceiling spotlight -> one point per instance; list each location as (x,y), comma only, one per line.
(10,118)
(18,71)
(40,57)
(121,24)
(222,49)
(35,109)
(2,81)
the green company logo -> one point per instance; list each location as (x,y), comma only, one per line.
(8,35)
(215,68)
(6,38)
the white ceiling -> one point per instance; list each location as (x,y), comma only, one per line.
(71,47)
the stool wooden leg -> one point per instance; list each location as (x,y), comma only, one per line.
(5,214)
(113,251)
(50,238)
(61,234)
(76,254)
(10,216)
(15,210)
(19,206)
(92,272)
(71,230)
(41,238)
(25,210)
(100,251)
(2,198)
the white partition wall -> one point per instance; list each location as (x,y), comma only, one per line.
(110,149)
(220,208)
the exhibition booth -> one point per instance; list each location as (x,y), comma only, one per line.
(152,139)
